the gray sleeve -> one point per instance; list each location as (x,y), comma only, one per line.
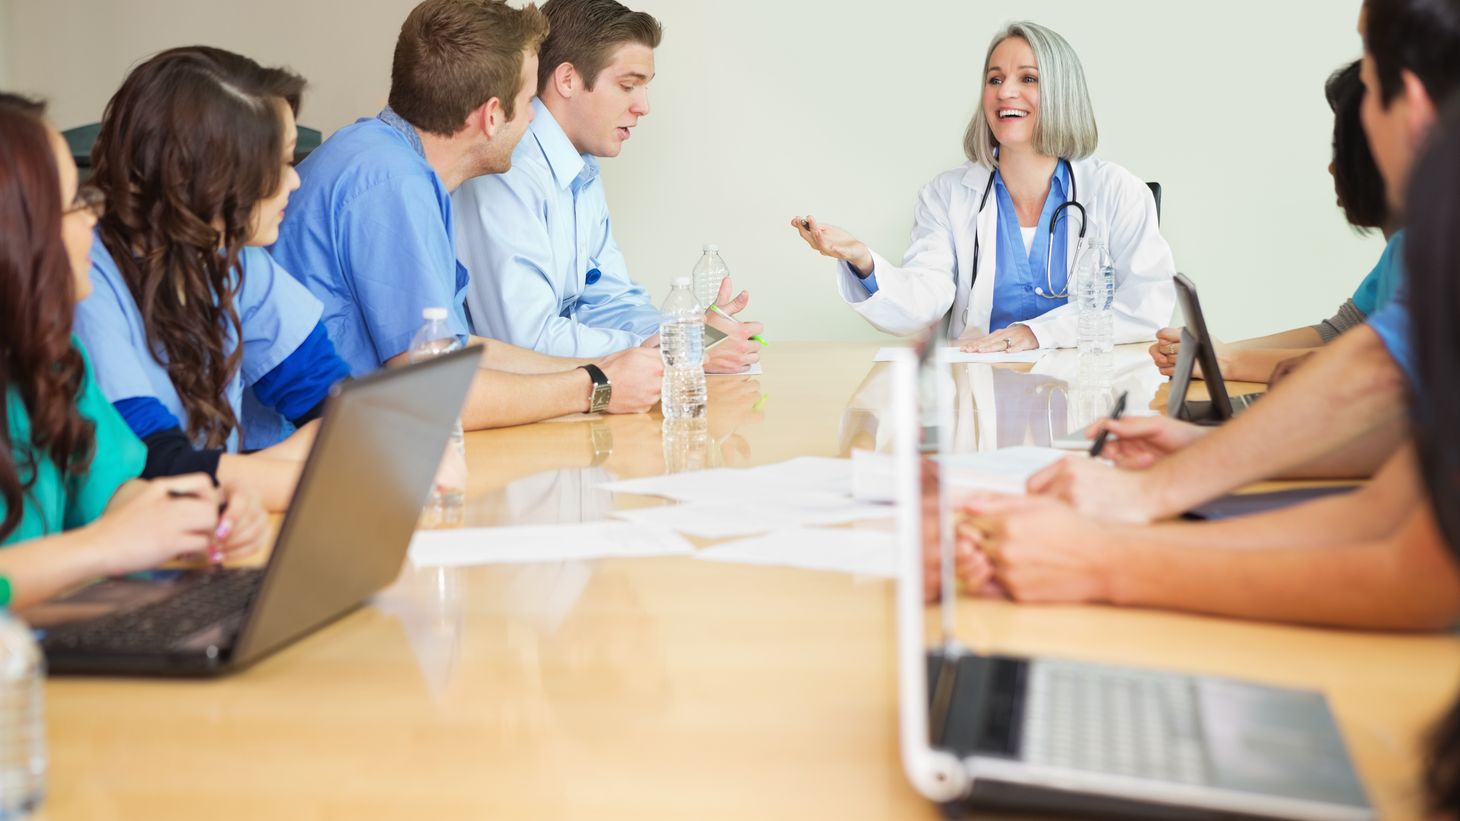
(1348,317)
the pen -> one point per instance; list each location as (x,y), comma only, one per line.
(1115,413)
(716,309)
(215,550)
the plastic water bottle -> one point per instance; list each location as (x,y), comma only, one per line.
(436,339)
(1095,292)
(709,272)
(686,444)
(22,725)
(682,347)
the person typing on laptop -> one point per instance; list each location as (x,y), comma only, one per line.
(71,507)
(1374,558)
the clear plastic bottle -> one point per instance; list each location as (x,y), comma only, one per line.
(1094,288)
(22,721)
(686,444)
(436,339)
(709,272)
(682,347)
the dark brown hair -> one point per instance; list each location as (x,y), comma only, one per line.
(454,55)
(1355,175)
(37,301)
(193,140)
(585,33)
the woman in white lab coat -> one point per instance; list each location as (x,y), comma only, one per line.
(1029,147)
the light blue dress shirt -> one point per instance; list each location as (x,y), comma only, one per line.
(545,271)
(277,315)
(1379,286)
(369,232)
(1018,272)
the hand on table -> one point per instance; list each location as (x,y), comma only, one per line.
(1095,488)
(1141,441)
(1005,340)
(1285,369)
(637,376)
(1037,549)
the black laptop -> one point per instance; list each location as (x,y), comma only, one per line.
(346,533)
(1196,346)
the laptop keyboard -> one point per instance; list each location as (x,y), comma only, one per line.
(1113,720)
(162,624)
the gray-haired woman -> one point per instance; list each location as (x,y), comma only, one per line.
(994,241)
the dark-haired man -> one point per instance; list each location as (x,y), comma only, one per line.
(370,230)
(546,272)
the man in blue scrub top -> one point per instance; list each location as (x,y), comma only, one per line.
(1343,413)
(370,230)
(546,272)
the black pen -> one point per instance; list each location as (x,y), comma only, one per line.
(1115,413)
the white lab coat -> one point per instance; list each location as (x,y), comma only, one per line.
(918,293)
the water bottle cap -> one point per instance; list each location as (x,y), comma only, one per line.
(4,592)
(433,313)
(681,282)
(712,248)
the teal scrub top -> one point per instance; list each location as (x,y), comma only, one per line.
(58,501)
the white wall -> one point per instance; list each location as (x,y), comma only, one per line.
(5,30)
(764,109)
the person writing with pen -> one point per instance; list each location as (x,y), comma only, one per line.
(995,239)
(71,507)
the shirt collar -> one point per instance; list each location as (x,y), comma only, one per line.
(570,169)
(397,122)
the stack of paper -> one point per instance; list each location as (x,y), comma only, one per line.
(1006,470)
(715,520)
(953,356)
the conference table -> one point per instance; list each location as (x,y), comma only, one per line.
(667,687)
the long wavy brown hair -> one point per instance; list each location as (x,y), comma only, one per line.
(188,147)
(37,301)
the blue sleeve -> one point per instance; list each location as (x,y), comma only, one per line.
(299,383)
(399,259)
(1377,288)
(869,282)
(277,313)
(110,327)
(613,300)
(1392,324)
(145,415)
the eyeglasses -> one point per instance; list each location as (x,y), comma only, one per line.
(88,198)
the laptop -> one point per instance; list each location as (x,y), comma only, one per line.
(343,539)
(1048,735)
(1196,346)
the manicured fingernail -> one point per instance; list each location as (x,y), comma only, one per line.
(225,527)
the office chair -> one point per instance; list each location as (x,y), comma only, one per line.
(81,138)
(1156,192)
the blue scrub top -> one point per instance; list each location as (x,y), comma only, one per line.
(1017,272)
(369,232)
(1379,286)
(277,314)
(1393,325)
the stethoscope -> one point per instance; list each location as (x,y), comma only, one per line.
(1048,292)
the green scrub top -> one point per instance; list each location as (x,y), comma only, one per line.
(58,501)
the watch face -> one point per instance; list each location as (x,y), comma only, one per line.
(601,394)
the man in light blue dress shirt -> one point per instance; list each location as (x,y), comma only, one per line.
(370,230)
(546,272)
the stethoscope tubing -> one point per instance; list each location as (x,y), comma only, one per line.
(1048,292)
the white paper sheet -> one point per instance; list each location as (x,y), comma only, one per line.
(864,552)
(720,520)
(1005,470)
(809,479)
(952,355)
(753,370)
(543,543)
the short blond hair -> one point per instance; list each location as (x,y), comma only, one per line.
(1066,126)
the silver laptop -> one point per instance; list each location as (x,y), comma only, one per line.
(1053,735)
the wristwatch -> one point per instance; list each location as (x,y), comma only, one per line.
(602,389)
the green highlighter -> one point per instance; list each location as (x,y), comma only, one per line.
(716,309)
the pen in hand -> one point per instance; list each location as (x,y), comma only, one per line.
(1115,412)
(215,544)
(716,309)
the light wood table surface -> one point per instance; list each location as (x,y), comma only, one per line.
(655,688)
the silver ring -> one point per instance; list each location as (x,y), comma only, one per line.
(1008,343)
